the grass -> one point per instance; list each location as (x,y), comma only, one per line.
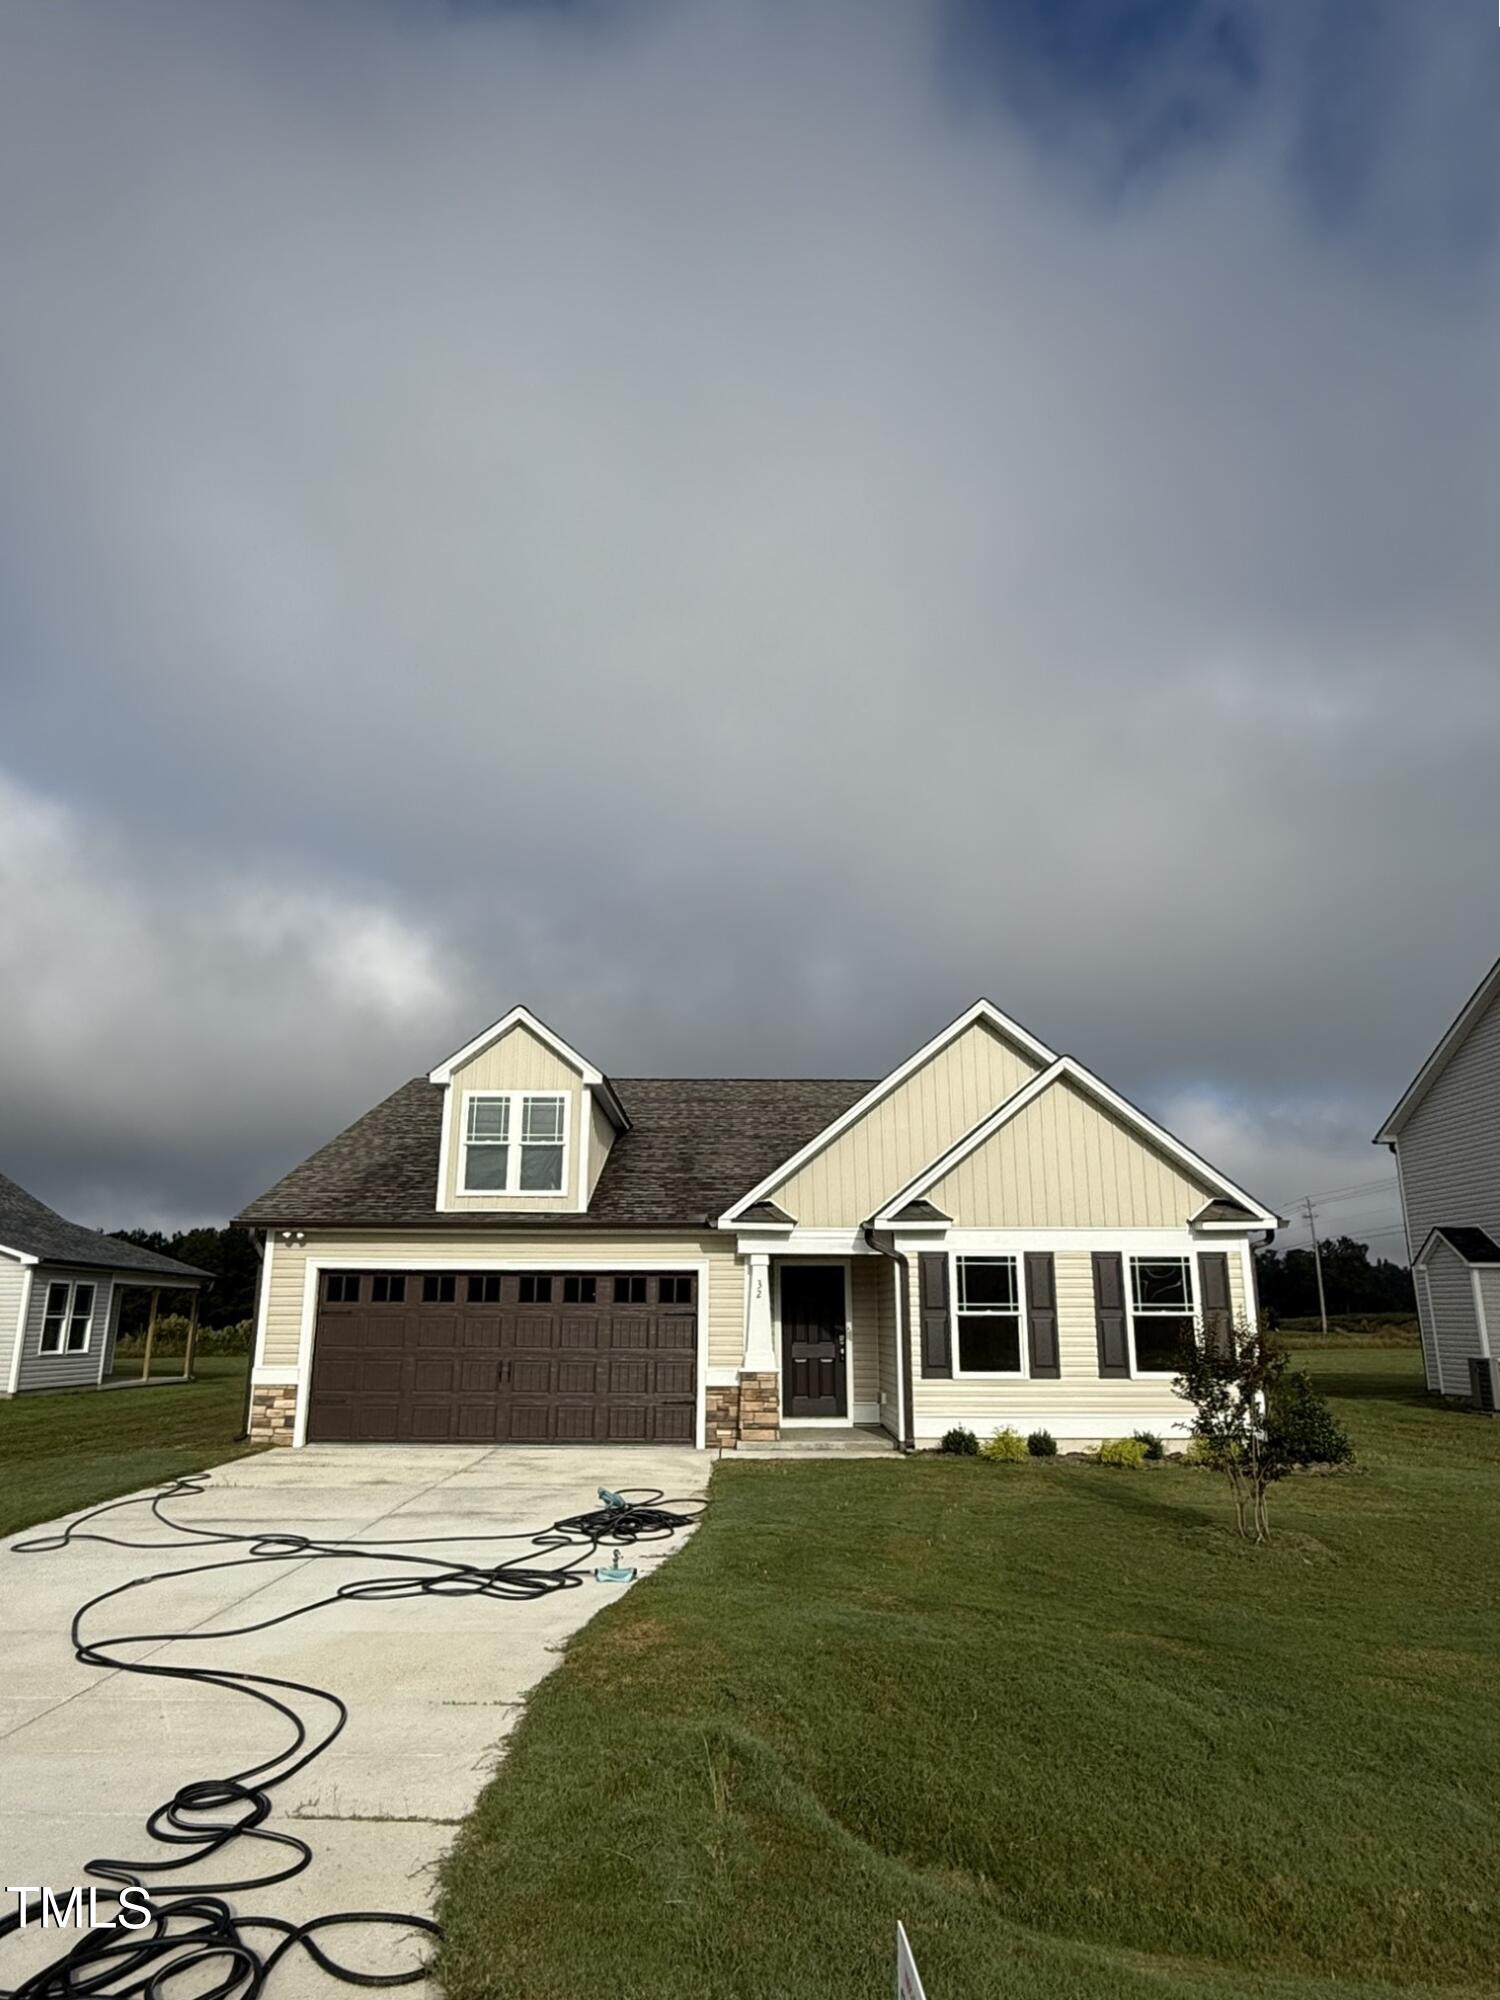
(72,1448)
(1052,1716)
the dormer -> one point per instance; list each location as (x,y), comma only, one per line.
(527,1122)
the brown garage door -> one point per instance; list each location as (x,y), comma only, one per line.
(523,1357)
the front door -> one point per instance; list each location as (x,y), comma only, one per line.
(814,1378)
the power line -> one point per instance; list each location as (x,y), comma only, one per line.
(1339,1194)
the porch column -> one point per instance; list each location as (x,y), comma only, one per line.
(760,1344)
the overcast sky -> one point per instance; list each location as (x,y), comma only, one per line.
(743,526)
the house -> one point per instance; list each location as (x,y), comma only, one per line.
(1445,1134)
(516,1248)
(61,1289)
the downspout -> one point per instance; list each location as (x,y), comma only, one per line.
(903,1326)
(258,1244)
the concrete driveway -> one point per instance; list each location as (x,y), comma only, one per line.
(433,1685)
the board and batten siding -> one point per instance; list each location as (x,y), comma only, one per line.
(850,1178)
(1067,1162)
(64,1371)
(519,1060)
(1455,1324)
(12,1291)
(538,1252)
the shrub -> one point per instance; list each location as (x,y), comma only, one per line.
(1005,1447)
(1151,1444)
(1121,1451)
(1042,1444)
(1199,1453)
(172,1332)
(1305,1430)
(959,1443)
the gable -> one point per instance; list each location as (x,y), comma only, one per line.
(1066,1161)
(1477,1020)
(861,1167)
(518,1060)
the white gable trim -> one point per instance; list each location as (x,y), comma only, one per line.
(1476,1006)
(1067,1068)
(982,1010)
(21,1256)
(1436,1236)
(518,1017)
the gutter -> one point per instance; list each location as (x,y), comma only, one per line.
(903,1330)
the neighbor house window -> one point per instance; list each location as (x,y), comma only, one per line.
(67,1317)
(1161,1313)
(515,1142)
(989,1317)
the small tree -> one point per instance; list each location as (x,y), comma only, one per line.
(1229,1374)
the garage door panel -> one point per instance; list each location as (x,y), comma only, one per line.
(484,1366)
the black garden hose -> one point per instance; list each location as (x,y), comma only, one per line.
(191,1924)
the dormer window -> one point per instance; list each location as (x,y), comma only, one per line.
(515,1142)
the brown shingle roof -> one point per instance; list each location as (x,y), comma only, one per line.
(695,1145)
(28,1225)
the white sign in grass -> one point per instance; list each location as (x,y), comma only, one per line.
(908,1979)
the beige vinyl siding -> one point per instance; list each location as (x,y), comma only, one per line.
(867,1275)
(1455,1325)
(601,1138)
(541,1252)
(1067,1162)
(12,1290)
(864,1166)
(63,1371)
(1448,1153)
(520,1060)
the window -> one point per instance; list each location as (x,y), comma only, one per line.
(630,1291)
(439,1288)
(67,1317)
(388,1288)
(342,1288)
(484,1288)
(989,1317)
(515,1142)
(1161,1313)
(536,1289)
(580,1291)
(675,1291)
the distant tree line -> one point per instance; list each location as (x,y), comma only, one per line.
(227,1253)
(1288,1281)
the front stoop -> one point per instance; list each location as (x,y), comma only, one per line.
(863,1441)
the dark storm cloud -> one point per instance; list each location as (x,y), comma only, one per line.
(672,516)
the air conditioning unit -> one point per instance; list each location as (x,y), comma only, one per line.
(1484,1383)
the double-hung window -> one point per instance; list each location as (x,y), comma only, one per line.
(67,1317)
(988,1317)
(515,1142)
(1161,1313)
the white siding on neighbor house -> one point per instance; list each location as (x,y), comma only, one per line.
(63,1371)
(540,1251)
(12,1291)
(1455,1329)
(845,1183)
(1068,1162)
(1448,1153)
(1427,1322)
(519,1060)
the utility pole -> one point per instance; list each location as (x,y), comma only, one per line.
(1317,1250)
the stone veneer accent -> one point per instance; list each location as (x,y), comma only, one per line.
(273,1411)
(747,1411)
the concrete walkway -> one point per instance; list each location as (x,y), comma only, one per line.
(433,1685)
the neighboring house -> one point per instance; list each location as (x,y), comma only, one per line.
(515,1248)
(61,1289)
(1445,1134)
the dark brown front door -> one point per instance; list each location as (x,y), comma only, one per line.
(489,1357)
(814,1380)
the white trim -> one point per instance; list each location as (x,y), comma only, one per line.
(775,1239)
(1071,1427)
(844,1264)
(585,1144)
(21,1256)
(1437,1235)
(1481,1321)
(960,1374)
(1247,1278)
(902,1270)
(269,1378)
(982,1010)
(65,1350)
(518,1017)
(445,1152)
(1137,1373)
(1472,1010)
(28,1278)
(316,1265)
(514,1145)
(263,1303)
(1067,1067)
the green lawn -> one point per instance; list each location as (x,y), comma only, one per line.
(71,1449)
(1052,1716)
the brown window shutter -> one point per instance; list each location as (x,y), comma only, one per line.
(1213,1300)
(1109,1312)
(1041,1314)
(937,1349)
